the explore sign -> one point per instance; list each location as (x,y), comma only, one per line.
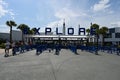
(70,31)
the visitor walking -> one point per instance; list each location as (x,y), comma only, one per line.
(7,47)
(21,47)
(13,49)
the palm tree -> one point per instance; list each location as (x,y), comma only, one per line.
(11,24)
(103,31)
(88,33)
(33,29)
(96,26)
(22,27)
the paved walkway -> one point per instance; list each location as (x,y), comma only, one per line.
(65,66)
(2,51)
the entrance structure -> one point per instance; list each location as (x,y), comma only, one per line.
(62,38)
(58,41)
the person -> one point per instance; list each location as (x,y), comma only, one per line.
(13,49)
(57,49)
(21,47)
(7,47)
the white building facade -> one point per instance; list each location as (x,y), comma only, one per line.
(113,36)
(16,36)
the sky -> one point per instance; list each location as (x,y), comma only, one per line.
(51,13)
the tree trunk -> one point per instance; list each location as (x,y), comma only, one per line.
(22,36)
(103,40)
(97,40)
(10,34)
(87,41)
(96,52)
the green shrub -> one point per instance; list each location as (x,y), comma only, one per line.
(2,45)
(108,44)
(2,41)
(118,46)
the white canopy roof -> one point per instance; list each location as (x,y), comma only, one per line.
(59,36)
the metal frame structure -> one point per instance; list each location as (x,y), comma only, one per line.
(59,36)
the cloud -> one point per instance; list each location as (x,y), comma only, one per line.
(68,14)
(74,15)
(62,14)
(4,28)
(116,24)
(11,14)
(101,5)
(65,13)
(4,9)
(55,24)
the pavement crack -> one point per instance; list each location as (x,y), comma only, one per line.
(53,70)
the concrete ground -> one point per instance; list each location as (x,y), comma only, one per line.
(65,66)
(3,50)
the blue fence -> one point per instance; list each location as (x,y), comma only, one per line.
(42,47)
(93,49)
(22,49)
